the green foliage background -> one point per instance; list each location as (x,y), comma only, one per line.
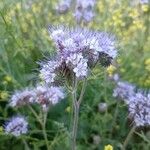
(24,41)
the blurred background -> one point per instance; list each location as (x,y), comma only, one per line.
(24,41)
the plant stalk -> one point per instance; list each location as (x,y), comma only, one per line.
(76,109)
(128,138)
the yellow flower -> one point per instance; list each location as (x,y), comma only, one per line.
(134,13)
(68,109)
(3,95)
(1,129)
(8,78)
(108,147)
(145,8)
(18,6)
(101,7)
(147,61)
(138,24)
(110,70)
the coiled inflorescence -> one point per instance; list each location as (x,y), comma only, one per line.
(124,90)
(84,10)
(16,126)
(77,50)
(138,102)
(42,94)
(63,6)
(20,98)
(139,108)
(48,95)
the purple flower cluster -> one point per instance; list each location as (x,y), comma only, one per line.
(48,95)
(84,10)
(16,126)
(63,6)
(77,50)
(139,108)
(124,90)
(138,102)
(42,95)
(20,98)
(144,1)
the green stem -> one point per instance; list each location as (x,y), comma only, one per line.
(35,114)
(75,114)
(25,144)
(42,123)
(115,118)
(44,129)
(128,138)
(82,91)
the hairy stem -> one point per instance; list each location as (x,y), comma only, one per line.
(44,129)
(128,138)
(76,109)
(75,114)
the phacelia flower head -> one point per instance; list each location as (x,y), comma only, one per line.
(124,90)
(84,10)
(139,109)
(46,96)
(20,98)
(16,126)
(63,6)
(78,50)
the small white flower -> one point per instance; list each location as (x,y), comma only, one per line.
(68,43)
(79,64)
(81,69)
(47,71)
(56,34)
(74,59)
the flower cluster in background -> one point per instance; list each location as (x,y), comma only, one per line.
(83,11)
(138,102)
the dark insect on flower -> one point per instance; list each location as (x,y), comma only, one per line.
(104,59)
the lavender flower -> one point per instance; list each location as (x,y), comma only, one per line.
(124,90)
(84,10)
(63,6)
(48,70)
(144,1)
(79,64)
(48,95)
(16,126)
(77,50)
(20,98)
(139,109)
